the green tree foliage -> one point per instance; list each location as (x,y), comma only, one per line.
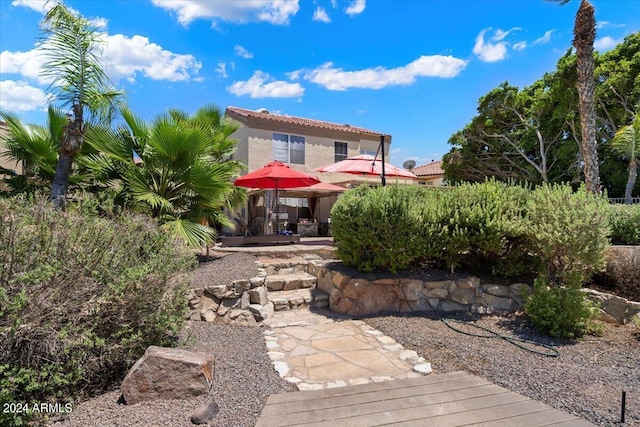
(520,133)
(70,45)
(34,148)
(81,298)
(626,143)
(177,168)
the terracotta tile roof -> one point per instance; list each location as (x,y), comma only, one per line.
(265,115)
(433,168)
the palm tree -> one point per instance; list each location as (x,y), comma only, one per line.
(584,34)
(626,142)
(78,80)
(35,148)
(177,168)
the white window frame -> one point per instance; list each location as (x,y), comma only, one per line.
(291,141)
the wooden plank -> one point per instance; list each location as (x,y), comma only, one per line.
(428,415)
(354,408)
(495,414)
(261,239)
(453,399)
(548,417)
(437,391)
(381,386)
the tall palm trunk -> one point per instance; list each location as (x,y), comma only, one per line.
(631,181)
(584,35)
(70,145)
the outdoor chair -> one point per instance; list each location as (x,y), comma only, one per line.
(241,227)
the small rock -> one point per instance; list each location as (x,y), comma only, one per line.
(205,413)
(423,368)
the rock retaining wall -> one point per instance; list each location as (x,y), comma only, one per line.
(357,296)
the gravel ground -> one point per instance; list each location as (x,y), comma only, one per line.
(244,379)
(586,380)
(223,268)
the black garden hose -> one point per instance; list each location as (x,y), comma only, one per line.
(518,342)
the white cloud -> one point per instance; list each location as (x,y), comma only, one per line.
(500,35)
(126,57)
(356,8)
(520,45)
(606,43)
(222,69)
(272,11)
(27,64)
(545,38)
(376,78)
(321,15)
(241,51)
(604,24)
(257,87)
(40,6)
(19,96)
(490,52)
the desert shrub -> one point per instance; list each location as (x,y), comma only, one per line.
(81,298)
(378,228)
(621,275)
(560,311)
(568,233)
(491,216)
(624,221)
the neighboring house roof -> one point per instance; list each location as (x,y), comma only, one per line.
(430,169)
(242,113)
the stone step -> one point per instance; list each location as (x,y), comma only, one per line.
(298,299)
(299,264)
(290,281)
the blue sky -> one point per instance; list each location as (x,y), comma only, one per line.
(411,68)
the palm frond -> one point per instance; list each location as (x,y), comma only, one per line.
(192,233)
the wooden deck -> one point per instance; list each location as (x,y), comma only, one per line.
(452,399)
(265,239)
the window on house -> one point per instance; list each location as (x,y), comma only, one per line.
(288,148)
(340,151)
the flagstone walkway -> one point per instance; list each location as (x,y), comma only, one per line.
(320,349)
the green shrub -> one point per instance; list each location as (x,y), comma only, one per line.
(491,215)
(568,233)
(378,228)
(624,221)
(81,298)
(560,311)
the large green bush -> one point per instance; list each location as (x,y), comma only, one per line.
(568,233)
(491,216)
(378,228)
(81,298)
(624,221)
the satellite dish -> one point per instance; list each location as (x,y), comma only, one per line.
(409,164)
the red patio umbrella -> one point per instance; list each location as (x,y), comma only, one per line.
(365,165)
(275,175)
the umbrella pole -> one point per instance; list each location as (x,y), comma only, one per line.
(384,180)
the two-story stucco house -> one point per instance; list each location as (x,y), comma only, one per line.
(304,144)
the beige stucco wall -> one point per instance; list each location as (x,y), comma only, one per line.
(255,145)
(4,133)
(433,181)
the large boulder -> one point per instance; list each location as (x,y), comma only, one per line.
(168,373)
